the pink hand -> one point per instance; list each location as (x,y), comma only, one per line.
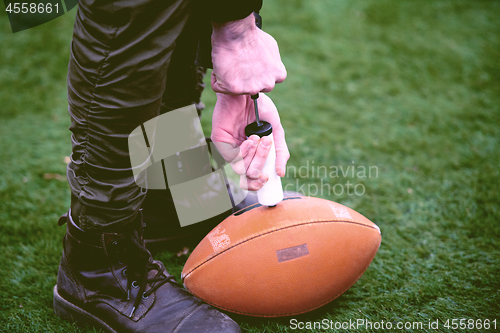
(246,59)
(247,156)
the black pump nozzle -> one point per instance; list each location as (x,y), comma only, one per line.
(260,128)
(254,97)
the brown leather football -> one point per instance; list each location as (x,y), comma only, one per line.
(282,260)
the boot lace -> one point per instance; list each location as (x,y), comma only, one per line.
(139,263)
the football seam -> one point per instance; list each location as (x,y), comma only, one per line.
(288,313)
(269,232)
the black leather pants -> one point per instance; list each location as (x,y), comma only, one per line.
(131,60)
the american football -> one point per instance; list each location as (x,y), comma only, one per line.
(283,260)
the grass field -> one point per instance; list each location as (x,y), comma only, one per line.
(408,88)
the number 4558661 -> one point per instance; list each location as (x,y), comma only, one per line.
(32,8)
(470,324)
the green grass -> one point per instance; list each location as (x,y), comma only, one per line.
(409,87)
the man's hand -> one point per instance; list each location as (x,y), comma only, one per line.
(248,156)
(246,60)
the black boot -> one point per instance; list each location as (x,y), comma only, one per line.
(110,281)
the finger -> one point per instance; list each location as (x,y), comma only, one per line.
(282,152)
(257,164)
(248,148)
(247,159)
(270,114)
(253,184)
(229,87)
(281,75)
(268,84)
(282,156)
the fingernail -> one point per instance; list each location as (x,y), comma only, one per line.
(263,179)
(248,147)
(254,138)
(266,142)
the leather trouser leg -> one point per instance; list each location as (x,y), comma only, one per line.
(117,76)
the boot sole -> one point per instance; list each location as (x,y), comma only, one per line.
(70,312)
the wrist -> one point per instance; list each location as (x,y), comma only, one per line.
(234,30)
